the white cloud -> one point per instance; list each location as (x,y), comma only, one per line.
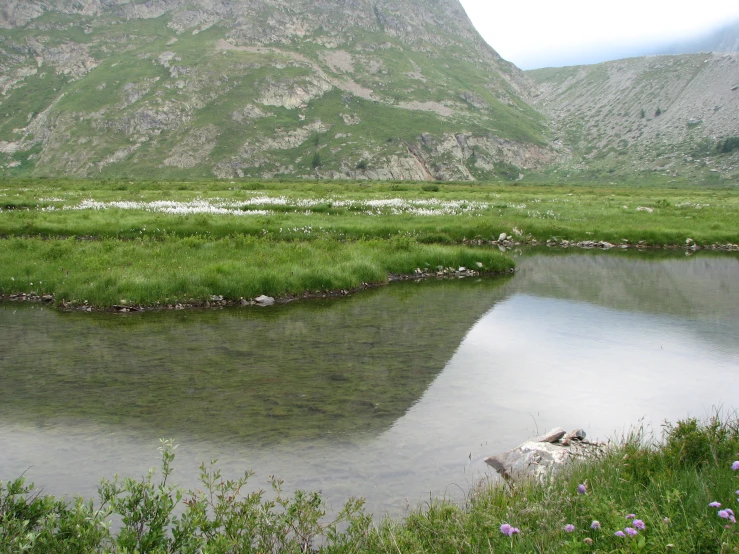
(533,33)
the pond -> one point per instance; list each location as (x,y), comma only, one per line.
(392,394)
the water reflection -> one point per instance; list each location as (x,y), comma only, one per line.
(296,372)
(406,388)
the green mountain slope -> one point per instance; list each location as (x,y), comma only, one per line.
(390,89)
(674,115)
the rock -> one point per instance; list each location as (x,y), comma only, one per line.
(576,435)
(502,237)
(532,459)
(689,241)
(552,436)
(264,300)
(244,302)
(540,457)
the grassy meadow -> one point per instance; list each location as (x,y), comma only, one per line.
(163,242)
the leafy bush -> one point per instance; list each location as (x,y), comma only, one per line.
(728,145)
(692,443)
(220,518)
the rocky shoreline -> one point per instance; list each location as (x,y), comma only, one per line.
(219,302)
(506,242)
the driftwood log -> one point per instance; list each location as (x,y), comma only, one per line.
(541,456)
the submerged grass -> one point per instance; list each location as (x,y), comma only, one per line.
(640,496)
(149,271)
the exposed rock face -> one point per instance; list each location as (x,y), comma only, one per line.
(658,113)
(259,88)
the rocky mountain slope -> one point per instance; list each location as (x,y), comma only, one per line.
(380,89)
(663,114)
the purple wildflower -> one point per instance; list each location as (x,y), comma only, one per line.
(509,530)
(631,516)
(723,514)
(735,466)
(581,489)
(639,524)
(595,524)
(631,531)
(715,504)
(619,534)
(666,520)
(731,512)
(737,492)
(569,528)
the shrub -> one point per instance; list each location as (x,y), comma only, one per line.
(728,145)
(695,444)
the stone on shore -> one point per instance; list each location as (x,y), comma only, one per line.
(264,300)
(541,456)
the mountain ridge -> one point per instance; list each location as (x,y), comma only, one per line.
(663,114)
(392,89)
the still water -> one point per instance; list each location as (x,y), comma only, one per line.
(392,394)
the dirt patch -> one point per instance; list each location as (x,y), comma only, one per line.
(339,61)
(435,107)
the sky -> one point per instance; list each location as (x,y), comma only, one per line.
(544,33)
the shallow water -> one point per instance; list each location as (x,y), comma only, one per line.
(393,394)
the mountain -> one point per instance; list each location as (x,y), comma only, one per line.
(378,89)
(724,39)
(667,114)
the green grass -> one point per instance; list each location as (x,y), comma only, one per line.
(675,479)
(152,271)
(662,489)
(321,236)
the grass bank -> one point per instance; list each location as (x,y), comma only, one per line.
(675,495)
(152,241)
(150,271)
